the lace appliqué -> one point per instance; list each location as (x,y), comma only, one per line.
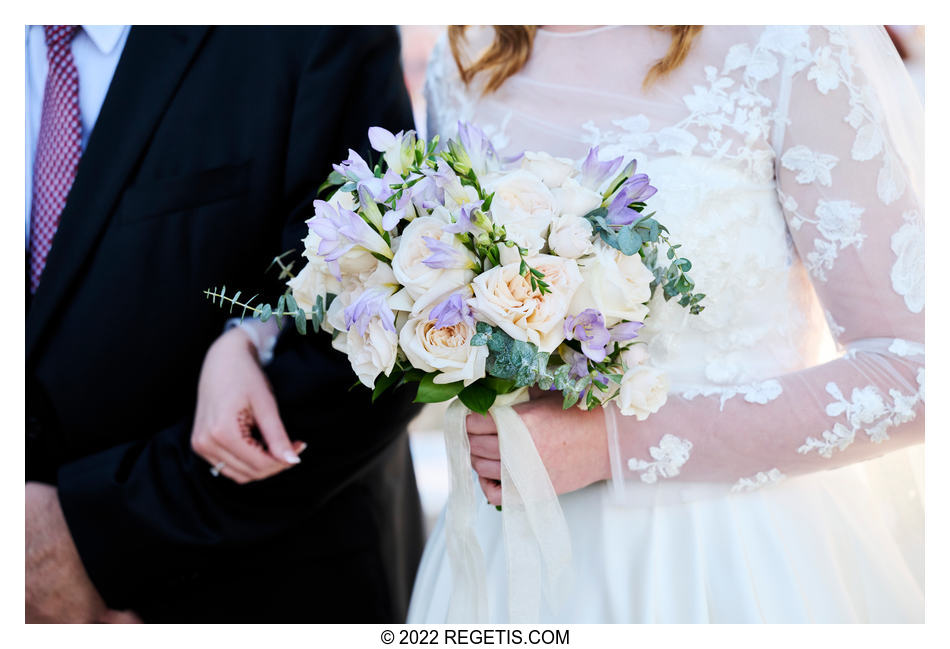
(759,480)
(867,410)
(761,392)
(907,273)
(669,456)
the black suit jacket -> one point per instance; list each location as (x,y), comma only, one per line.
(202,166)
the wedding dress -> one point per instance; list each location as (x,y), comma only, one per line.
(782,481)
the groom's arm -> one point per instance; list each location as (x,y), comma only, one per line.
(150,510)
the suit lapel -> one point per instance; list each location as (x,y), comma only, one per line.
(148,74)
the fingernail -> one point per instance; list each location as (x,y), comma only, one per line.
(291,458)
(303,447)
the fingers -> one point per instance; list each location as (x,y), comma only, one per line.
(272,427)
(485,446)
(491,489)
(477,424)
(119,617)
(490,469)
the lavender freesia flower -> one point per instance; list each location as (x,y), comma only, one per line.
(340,230)
(481,155)
(444,255)
(625,331)
(588,327)
(577,361)
(371,303)
(635,189)
(397,149)
(465,221)
(451,312)
(354,168)
(594,171)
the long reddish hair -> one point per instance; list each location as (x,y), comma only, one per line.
(511,49)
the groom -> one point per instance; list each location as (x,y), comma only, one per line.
(167,160)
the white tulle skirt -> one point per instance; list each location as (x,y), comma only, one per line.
(835,546)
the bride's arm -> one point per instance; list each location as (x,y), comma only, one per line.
(856,221)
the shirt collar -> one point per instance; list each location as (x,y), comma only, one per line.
(105,37)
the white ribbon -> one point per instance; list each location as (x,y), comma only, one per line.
(535,531)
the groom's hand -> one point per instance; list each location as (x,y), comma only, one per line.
(57,586)
(234,396)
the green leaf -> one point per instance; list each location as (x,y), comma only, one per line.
(300,319)
(628,241)
(383,383)
(477,397)
(478,340)
(265,313)
(500,386)
(430,392)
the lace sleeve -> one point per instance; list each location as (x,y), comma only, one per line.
(848,187)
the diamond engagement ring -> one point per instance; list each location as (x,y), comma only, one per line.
(216,469)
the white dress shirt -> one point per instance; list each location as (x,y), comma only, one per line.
(96,51)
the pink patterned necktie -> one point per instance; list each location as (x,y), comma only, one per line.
(58,148)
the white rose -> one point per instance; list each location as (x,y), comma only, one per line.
(504,298)
(636,355)
(446,350)
(573,198)
(643,391)
(615,284)
(315,280)
(571,237)
(369,355)
(524,206)
(552,171)
(356,260)
(425,284)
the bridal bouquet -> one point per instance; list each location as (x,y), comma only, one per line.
(475,276)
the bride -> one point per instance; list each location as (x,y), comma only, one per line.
(782,480)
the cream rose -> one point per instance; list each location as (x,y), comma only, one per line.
(571,237)
(504,298)
(446,350)
(425,284)
(355,262)
(575,199)
(371,354)
(313,281)
(524,206)
(615,284)
(636,355)
(643,391)
(344,200)
(552,171)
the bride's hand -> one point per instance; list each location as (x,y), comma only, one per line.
(572,445)
(233,397)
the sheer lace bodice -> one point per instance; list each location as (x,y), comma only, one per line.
(800,207)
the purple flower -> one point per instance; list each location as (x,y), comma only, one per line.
(451,312)
(402,208)
(625,331)
(340,230)
(594,172)
(354,168)
(426,194)
(577,361)
(465,222)
(481,153)
(588,327)
(636,189)
(444,255)
(371,303)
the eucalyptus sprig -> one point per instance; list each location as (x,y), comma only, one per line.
(286,307)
